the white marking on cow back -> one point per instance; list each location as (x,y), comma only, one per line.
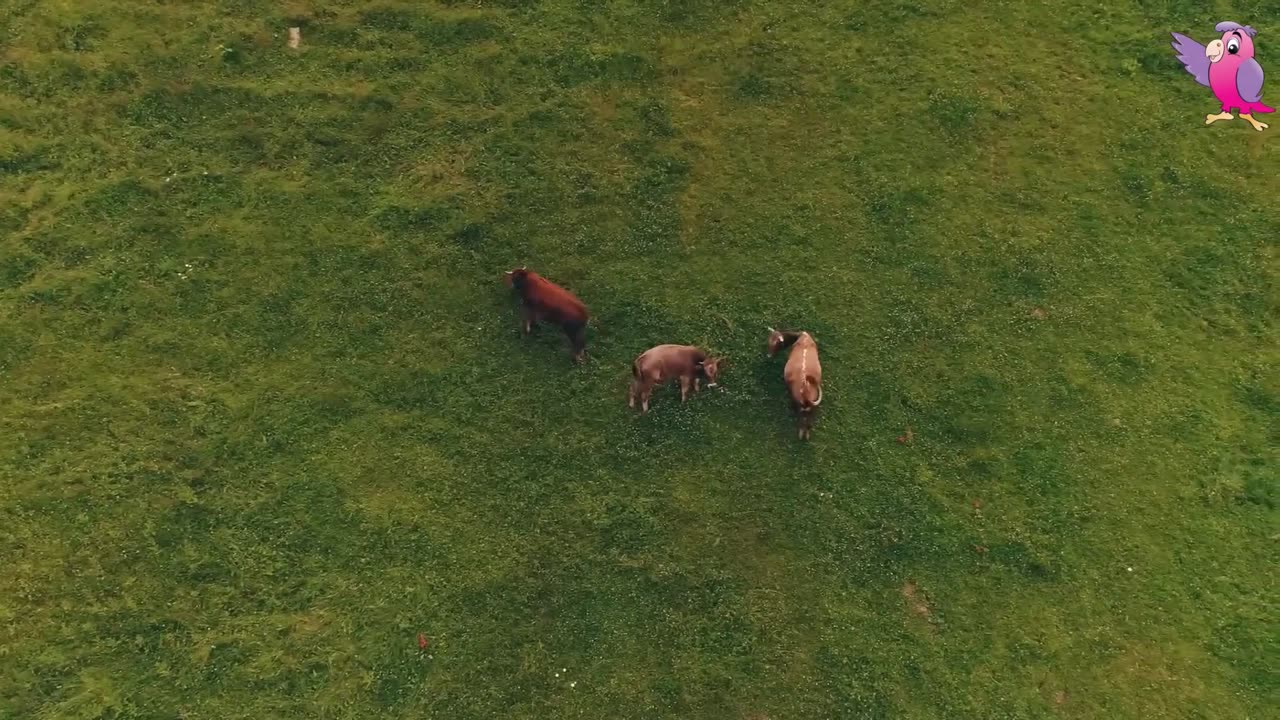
(804,363)
(804,352)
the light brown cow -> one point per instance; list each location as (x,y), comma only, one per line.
(657,365)
(802,374)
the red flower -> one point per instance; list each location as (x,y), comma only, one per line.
(422,641)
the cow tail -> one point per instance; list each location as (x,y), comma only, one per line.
(809,406)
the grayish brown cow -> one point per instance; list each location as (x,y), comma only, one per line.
(657,365)
(802,374)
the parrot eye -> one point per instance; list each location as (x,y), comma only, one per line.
(1233,46)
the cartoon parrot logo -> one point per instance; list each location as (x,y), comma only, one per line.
(1227,67)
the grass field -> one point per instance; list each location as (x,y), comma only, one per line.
(266,417)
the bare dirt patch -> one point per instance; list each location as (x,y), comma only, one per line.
(917,602)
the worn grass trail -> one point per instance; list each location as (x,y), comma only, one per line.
(265,415)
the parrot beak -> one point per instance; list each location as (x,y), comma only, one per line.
(1213,51)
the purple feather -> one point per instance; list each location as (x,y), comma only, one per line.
(1228,25)
(1191,55)
(1249,81)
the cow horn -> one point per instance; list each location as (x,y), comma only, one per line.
(511,272)
(772,330)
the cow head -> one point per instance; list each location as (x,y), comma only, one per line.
(515,278)
(775,342)
(710,369)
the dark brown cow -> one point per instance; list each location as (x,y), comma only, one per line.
(802,374)
(542,300)
(659,364)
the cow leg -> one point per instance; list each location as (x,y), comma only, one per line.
(527,318)
(797,410)
(647,384)
(806,424)
(697,382)
(639,391)
(684,388)
(578,339)
(637,384)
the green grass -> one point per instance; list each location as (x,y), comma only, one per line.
(265,415)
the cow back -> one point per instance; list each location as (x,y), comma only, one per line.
(554,302)
(803,371)
(667,361)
